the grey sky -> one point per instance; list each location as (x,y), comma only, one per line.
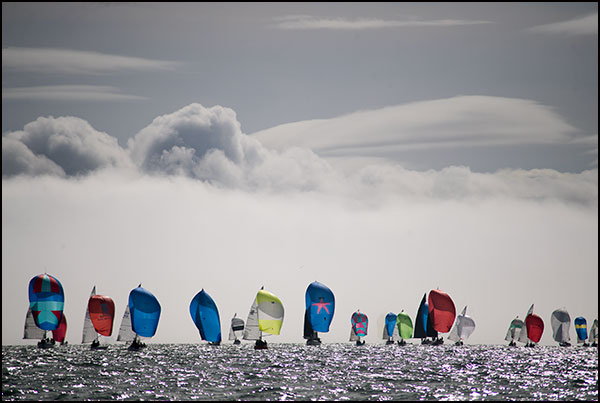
(374,144)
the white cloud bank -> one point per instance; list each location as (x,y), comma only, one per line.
(207,144)
(586,25)
(55,60)
(307,22)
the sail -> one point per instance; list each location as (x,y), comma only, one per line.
(144,309)
(270,312)
(581,329)
(236,329)
(360,323)
(205,315)
(421,319)
(101,309)
(390,324)
(320,304)
(463,327)
(31,330)
(441,310)
(514,330)
(252,331)
(594,332)
(560,321)
(125,331)
(308,330)
(535,327)
(523,335)
(404,325)
(47,300)
(60,332)
(89,333)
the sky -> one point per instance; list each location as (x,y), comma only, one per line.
(382,149)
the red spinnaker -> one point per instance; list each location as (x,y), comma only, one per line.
(535,327)
(441,310)
(102,313)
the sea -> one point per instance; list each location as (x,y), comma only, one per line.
(285,371)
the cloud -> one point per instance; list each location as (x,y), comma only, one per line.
(67,93)
(452,122)
(60,146)
(207,144)
(585,25)
(54,60)
(307,22)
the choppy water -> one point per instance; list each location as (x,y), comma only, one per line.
(299,372)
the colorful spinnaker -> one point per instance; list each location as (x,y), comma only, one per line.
(60,332)
(144,309)
(319,310)
(533,330)
(99,318)
(514,331)
(561,323)
(46,300)
(236,329)
(463,327)
(404,326)
(205,315)
(359,326)
(265,316)
(441,311)
(390,331)
(421,319)
(581,329)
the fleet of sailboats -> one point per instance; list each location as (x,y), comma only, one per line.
(436,314)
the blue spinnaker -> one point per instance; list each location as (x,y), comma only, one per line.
(144,310)
(320,306)
(420,331)
(581,329)
(390,323)
(46,300)
(205,315)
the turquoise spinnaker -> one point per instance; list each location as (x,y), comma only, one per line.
(46,300)
(144,310)
(205,315)
(581,329)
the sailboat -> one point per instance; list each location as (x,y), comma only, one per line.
(514,331)
(359,327)
(143,313)
(390,331)
(463,328)
(422,330)
(533,329)
(404,327)
(265,316)
(46,301)
(561,322)
(593,339)
(99,319)
(205,315)
(59,334)
(236,329)
(441,313)
(319,310)
(581,331)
